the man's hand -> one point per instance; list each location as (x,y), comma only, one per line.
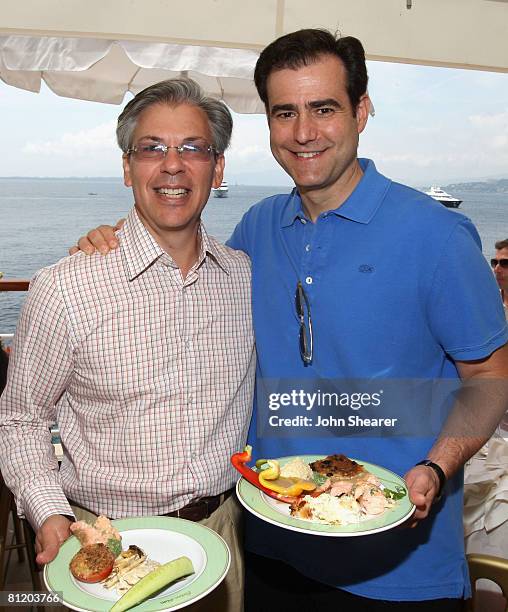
(52,534)
(422,484)
(100,239)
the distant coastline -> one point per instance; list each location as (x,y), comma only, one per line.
(493,186)
(487,186)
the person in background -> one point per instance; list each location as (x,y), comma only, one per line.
(485,478)
(382,293)
(144,358)
(499,265)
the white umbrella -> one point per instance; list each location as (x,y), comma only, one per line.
(103,70)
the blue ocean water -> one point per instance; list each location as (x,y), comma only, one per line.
(41,218)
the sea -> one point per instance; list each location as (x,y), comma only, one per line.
(41,218)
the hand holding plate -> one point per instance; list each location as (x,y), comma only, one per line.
(51,535)
(423,486)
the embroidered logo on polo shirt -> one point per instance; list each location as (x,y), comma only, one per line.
(366,268)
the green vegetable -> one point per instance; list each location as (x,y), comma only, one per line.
(115,546)
(153,582)
(319,479)
(399,493)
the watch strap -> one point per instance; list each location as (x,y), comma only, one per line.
(440,474)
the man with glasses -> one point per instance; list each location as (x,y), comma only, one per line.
(358,277)
(500,267)
(144,358)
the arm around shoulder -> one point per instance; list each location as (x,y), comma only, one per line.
(101,239)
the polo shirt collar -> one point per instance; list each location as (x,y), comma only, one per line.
(363,203)
(293,210)
(141,250)
(360,206)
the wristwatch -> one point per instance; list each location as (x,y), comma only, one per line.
(440,474)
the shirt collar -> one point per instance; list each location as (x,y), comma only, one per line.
(360,206)
(293,210)
(140,249)
(210,246)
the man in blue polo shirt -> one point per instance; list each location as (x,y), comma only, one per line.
(389,285)
(397,288)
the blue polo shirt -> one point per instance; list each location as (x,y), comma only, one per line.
(398,289)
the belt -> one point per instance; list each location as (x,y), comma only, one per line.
(202,508)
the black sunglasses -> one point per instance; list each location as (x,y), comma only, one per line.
(303,312)
(501,262)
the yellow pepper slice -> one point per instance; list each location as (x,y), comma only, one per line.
(270,478)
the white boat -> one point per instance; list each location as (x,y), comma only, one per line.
(222,191)
(444,198)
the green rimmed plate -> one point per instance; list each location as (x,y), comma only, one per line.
(277,513)
(162,539)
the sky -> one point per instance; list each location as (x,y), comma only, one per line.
(432,126)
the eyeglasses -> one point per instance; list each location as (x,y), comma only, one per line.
(303,312)
(499,262)
(195,150)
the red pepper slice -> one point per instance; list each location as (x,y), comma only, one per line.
(239,461)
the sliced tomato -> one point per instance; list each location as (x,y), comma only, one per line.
(92,563)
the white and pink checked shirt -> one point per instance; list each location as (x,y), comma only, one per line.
(150,378)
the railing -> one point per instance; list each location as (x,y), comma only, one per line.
(14,284)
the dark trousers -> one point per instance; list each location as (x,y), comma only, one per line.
(273,586)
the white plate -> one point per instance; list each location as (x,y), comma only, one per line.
(277,513)
(162,539)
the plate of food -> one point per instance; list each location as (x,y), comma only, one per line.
(326,496)
(146,564)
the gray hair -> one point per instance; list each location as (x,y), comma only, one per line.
(174,92)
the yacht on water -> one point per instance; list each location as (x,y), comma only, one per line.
(444,198)
(222,191)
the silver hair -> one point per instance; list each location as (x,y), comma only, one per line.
(174,92)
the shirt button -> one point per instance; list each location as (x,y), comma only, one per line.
(304,221)
(307,247)
(194,455)
(308,280)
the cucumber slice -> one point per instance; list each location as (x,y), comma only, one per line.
(153,582)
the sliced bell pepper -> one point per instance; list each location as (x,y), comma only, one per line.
(288,485)
(239,461)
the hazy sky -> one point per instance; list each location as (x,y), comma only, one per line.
(432,126)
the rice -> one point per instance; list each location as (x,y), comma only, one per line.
(332,510)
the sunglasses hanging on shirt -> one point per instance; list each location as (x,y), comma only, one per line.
(303,312)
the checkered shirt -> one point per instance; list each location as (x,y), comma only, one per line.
(150,377)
